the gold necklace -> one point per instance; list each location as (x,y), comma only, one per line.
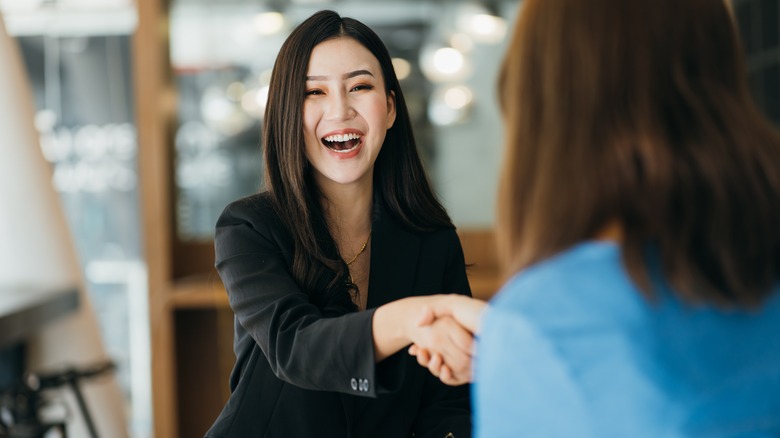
(363,248)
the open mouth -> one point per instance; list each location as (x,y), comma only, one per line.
(342,143)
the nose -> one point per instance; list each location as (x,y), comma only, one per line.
(339,107)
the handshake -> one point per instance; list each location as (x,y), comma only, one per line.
(443,337)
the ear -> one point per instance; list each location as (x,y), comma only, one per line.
(390,109)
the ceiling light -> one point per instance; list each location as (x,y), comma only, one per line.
(402,68)
(481,24)
(450,105)
(269,23)
(443,63)
(458,97)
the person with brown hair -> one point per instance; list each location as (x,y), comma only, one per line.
(329,269)
(639,217)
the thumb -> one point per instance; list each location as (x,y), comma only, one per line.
(427,317)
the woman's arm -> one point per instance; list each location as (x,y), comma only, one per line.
(302,346)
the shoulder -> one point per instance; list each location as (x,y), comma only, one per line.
(586,284)
(573,268)
(250,225)
(256,209)
(513,358)
(443,237)
(570,320)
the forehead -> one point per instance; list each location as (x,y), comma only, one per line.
(341,55)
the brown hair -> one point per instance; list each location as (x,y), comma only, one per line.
(400,181)
(638,113)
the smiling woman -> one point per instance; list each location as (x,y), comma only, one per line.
(347,210)
(347,112)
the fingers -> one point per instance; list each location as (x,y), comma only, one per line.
(445,348)
(456,348)
(427,317)
(423,357)
(449,378)
(461,338)
(435,364)
(440,370)
(443,372)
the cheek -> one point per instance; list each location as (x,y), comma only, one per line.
(310,140)
(379,113)
(310,119)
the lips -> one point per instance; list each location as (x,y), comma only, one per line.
(342,142)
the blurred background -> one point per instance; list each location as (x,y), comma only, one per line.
(149,114)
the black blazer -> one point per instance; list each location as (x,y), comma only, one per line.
(301,374)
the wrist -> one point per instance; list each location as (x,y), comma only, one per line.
(394,326)
(410,315)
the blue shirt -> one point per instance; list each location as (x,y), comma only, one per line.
(571,348)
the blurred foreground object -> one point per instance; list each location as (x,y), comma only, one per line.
(22,405)
(37,251)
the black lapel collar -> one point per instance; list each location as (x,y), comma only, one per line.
(394,253)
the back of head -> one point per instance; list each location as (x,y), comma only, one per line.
(638,113)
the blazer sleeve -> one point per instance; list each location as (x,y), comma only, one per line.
(303,347)
(447,409)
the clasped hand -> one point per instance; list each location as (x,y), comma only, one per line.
(444,339)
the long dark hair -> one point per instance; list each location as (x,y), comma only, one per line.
(400,181)
(639,112)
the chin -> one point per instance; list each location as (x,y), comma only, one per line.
(345,178)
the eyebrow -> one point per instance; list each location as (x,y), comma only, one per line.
(349,75)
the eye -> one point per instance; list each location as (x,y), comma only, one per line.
(314,92)
(362,87)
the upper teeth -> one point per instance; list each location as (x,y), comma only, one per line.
(342,137)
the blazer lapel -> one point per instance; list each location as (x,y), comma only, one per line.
(393,269)
(394,253)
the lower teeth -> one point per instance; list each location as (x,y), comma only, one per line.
(345,150)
